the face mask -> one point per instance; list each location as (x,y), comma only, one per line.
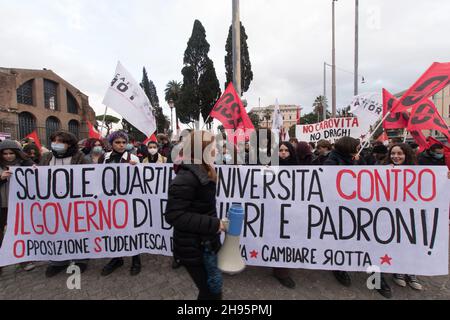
(437,156)
(59,148)
(97,150)
(152,151)
(129,147)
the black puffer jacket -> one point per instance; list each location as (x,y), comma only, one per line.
(337,159)
(191,210)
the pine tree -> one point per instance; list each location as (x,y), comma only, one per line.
(149,88)
(200,89)
(246,66)
(209,91)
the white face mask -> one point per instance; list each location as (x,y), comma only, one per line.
(153,151)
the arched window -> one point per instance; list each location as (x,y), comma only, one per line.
(50,94)
(27,124)
(74,128)
(51,125)
(72,105)
(25,93)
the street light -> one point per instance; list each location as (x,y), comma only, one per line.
(334,63)
(171,106)
(325,65)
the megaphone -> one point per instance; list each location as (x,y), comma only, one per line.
(230,259)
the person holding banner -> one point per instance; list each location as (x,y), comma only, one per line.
(434,156)
(191,210)
(119,141)
(287,158)
(344,153)
(11,155)
(95,149)
(153,155)
(401,154)
(33,152)
(304,153)
(65,151)
(324,149)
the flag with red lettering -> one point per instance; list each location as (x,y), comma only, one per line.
(35,138)
(397,120)
(231,112)
(94,134)
(436,78)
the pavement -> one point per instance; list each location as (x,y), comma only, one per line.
(158,281)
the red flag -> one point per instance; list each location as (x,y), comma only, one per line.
(436,78)
(35,138)
(298,115)
(231,112)
(394,120)
(93,134)
(150,139)
(427,117)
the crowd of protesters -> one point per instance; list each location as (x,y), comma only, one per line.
(195,187)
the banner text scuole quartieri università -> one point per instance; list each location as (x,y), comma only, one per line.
(324,218)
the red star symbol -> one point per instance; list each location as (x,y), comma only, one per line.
(386,259)
(254,254)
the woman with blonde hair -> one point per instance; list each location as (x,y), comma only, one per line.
(191,210)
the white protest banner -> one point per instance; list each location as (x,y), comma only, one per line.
(331,129)
(330,218)
(126,97)
(368,107)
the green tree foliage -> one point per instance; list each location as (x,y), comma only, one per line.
(109,121)
(149,88)
(255,119)
(246,66)
(200,89)
(173,91)
(209,90)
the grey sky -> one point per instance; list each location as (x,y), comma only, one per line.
(288,41)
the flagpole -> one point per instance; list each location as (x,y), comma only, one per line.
(373,132)
(206,122)
(405,135)
(104,118)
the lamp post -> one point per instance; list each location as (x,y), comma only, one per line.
(171,106)
(334,63)
(325,65)
(356,45)
(236,31)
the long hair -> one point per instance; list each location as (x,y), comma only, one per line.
(20,156)
(292,160)
(197,150)
(31,146)
(410,157)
